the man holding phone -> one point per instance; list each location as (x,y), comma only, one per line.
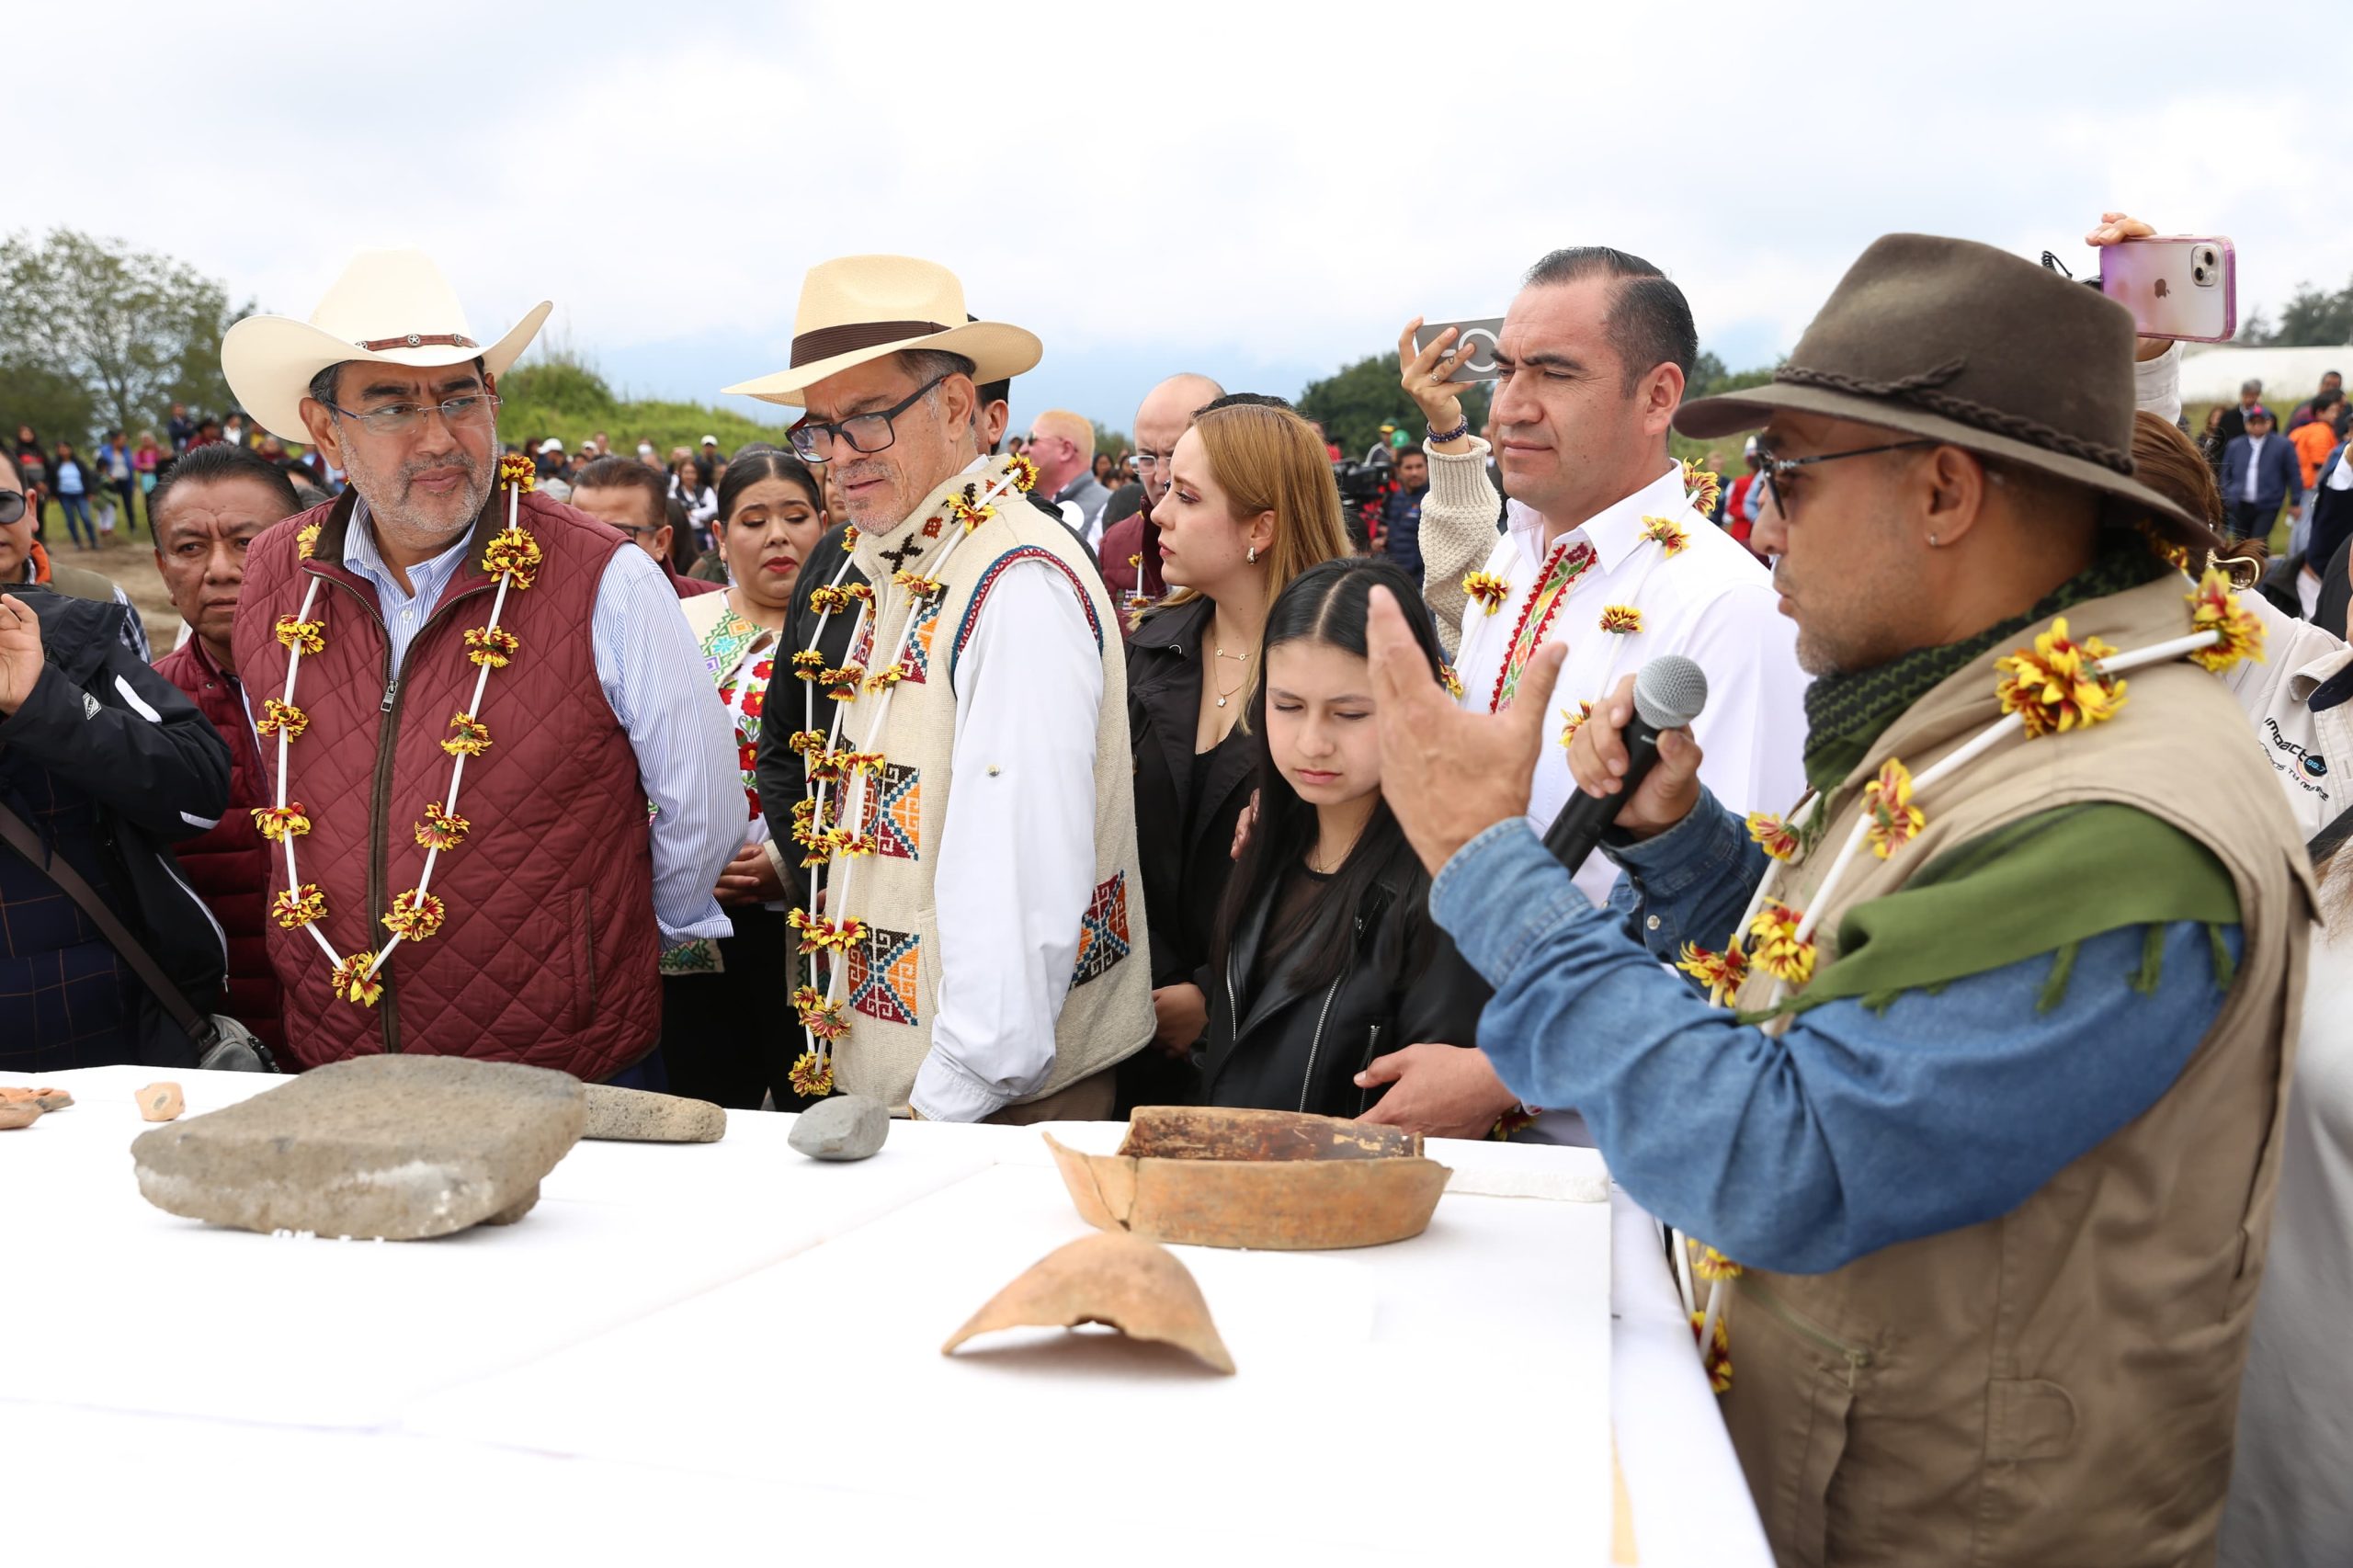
(1604,550)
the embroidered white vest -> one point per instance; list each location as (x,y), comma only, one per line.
(891,984)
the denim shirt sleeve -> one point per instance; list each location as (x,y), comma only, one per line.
(1853,1130)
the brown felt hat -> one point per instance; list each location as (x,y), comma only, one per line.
(1962,343)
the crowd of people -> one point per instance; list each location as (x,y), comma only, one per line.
(1956,986)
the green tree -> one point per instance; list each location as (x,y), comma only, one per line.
(136,330)
(57,406)
(1355,401)
(2313,318)
(1114,442)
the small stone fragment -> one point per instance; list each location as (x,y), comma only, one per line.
(633,1116)
(48,1099)
(161,1102)
(845,1127)
(19,1113)
(401,1147)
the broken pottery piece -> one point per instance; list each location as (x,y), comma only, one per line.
(1207,1176)
(635,1115)
(402,1147)
(48,1099)
(842,1127)
(1122,1282)
(14,1114)
(161,1102)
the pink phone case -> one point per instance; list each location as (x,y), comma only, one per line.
(2159,281)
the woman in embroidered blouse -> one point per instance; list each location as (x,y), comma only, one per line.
(720,1041)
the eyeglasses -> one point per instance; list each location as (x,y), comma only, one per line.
(861,432)
(469,412)
(1147,462)
(12,506)
(1775,469)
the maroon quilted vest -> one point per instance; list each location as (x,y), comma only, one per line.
(229,865)
(548,952)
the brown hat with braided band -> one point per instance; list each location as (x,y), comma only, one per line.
(1962,343)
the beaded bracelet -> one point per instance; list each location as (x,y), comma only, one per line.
(1454,434)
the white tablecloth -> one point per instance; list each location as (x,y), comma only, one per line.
(726,1349)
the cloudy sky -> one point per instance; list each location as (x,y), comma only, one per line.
(1260,191)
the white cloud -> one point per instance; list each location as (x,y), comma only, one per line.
(1269,184)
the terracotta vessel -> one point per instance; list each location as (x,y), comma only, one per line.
(1271,1179)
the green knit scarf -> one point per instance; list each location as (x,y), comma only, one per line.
(1846,714)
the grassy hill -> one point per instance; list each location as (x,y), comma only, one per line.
(561,396)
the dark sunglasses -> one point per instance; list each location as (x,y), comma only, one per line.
(12,506)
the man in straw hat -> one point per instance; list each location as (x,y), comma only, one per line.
(467,697)
(969,800)
(1971,1117)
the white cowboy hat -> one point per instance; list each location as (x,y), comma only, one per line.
(857,308)
(390,307)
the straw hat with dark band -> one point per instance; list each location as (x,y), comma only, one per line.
(859,308)
(1962,343)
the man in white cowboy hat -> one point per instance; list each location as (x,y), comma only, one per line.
(971,803)
(567,697)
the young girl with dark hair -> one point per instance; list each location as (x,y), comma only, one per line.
(1324,955)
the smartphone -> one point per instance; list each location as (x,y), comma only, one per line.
(1477,341)
(2175,285)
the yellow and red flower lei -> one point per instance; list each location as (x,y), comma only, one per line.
(819,934)
(1777,952)
(1622,619)
(276,715)
(811,1076)
(1488,589)
(1718,1357)
(512,555)
(440,830)
(1893,819)
(1667,534)
(293,908)
(2059,686)
(2213,608)
(1576,722)
(1772,836)
(491,646)
(279,824)
(468,737)
(350,981)
(310,635)
(1722,973)
(1701,486)
(819,1016)
(415,915)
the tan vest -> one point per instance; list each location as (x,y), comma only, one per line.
(894,976)
(2058,1386)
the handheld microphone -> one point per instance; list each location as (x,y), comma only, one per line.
(1669,692)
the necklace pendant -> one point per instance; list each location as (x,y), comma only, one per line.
(1221,702)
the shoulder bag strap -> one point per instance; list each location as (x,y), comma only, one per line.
(18,833)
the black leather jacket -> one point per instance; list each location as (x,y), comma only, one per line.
(1298,1047)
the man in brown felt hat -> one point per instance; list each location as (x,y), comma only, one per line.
(970,799)
(1971,1116)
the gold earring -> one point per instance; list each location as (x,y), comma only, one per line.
(1252,556)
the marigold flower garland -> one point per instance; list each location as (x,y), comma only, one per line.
(511,556)
(822,1011)
(2056,686)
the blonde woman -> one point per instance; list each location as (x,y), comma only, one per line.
(1251,504)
